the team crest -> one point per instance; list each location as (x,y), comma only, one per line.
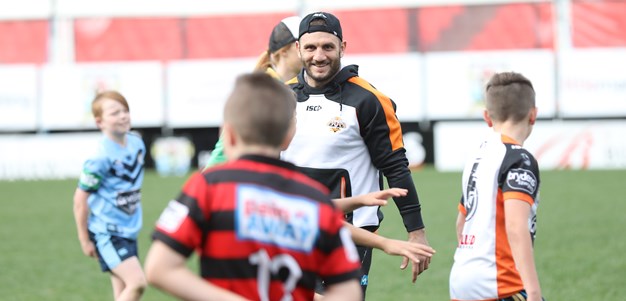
(336,124)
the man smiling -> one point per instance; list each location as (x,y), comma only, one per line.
(347,135)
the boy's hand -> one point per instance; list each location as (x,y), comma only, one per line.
(89,249)
(411,250)
(377,198)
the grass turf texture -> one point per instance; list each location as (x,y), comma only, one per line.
(579,248)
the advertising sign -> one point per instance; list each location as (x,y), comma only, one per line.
(18,97)
(67,92)
(592,83)
(555,144)
(399,77)
(455,81)
(197,90)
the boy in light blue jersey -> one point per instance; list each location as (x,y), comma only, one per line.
(107,201)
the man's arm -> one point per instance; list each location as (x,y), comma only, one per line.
(516,213)
(167,270)
(410,210)
(382,134)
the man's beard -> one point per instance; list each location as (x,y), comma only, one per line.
(334,68)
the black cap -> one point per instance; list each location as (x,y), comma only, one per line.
(331,24)
(284,33)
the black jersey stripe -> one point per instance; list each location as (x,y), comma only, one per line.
(131,167)
(222,221)
(175,245)
(195,213)
(271,180)
(242,269)
(128,178)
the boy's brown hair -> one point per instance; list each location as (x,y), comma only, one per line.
(509,95)
(260,109)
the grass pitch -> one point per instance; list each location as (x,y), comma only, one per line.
(579,248)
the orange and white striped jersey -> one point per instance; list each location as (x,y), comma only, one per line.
(483,267)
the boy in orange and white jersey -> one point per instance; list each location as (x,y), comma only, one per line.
(496,223)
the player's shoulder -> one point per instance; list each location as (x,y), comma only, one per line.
(517,152)
(520,166)
(359,91)
(97,160)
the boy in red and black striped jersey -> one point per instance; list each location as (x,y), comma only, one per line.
(263,231)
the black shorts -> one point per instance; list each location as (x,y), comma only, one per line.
(365,255)
(112,250)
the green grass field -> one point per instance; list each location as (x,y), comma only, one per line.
(580,247)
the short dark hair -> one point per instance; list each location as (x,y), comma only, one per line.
(260,109)
(509,95)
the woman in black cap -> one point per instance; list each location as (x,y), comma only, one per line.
(281,59)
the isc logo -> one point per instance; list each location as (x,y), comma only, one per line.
(313,108)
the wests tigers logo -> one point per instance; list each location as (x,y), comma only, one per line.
(336,124)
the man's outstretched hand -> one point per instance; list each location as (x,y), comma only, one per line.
(419,266)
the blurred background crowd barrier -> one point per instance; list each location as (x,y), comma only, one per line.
(175,61)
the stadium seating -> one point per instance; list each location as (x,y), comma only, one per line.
(599,24)
(380,30)
(515,26)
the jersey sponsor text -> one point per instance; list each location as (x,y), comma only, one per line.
(276,218)
(522,179)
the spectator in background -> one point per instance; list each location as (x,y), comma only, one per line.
(280,61)
(107,202)
(347,134)
(263,230)
(497,214)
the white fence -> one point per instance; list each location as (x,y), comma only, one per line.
(556,144)
(433,86)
